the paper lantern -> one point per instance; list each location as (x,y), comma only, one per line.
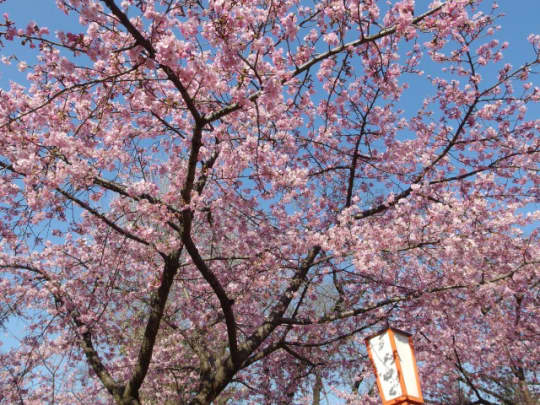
(392,355)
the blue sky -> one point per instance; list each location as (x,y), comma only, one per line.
(521,20)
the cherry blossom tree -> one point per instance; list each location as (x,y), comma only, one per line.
(215,201)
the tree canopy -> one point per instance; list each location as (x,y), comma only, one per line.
(216,201)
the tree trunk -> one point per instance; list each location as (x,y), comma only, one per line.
(317,388)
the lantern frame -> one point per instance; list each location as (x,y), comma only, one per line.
(405,398)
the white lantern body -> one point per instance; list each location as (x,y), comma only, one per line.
(392,356)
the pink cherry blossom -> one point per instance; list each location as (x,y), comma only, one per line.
(215,202)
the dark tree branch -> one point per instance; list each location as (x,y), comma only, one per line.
(88,208)
(191,169)
(394,300)
(298,356)
(76,86)
(444,152)
(334,339)
(319,58)
(467,378)
(122,190)
(167,125)
(147,45)
(352,169)
(225,302)
(157,308)
(276,314)
(85,340)
(102,217)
